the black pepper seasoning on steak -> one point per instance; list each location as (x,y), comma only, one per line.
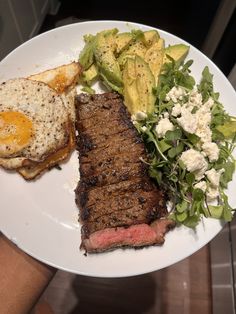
(115,189)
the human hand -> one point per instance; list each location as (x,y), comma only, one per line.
(22,279)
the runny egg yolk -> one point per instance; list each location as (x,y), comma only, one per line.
(16,131)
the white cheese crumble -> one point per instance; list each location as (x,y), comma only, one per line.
(204,132)
(139,116)
(209,103)
(203,123)
(204,115)
(195,162)
(195,98)
(176,110)
(187,121)
(163,126)
(201,185)
(212,193)
(175,93)
(211,150)
(198,122)
(214,176)
(166,115)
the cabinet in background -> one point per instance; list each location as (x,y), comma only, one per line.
(20,20)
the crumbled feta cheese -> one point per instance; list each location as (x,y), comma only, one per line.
(180,92)
(209,103)
(211,150)
(200,173)
(204,133)
(204,115)
(188,106)
(163,126)
(175,93)
(198,122)
(187,121)
(195,98)
(176,110)
(140,115)
(201,185)
(214,176)
(212,193)
(166,115)
(194,162)
(203,130)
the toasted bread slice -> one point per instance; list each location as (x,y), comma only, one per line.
(34,171)
(60,78)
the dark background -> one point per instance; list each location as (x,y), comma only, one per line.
(189,20)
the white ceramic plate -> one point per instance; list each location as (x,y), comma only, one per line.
(41,217)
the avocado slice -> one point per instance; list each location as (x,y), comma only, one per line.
(108,67)
(154,57)
(110,36)
(177,52)
(122,41)
(137,48)
(86,56)
(138,85)
(89,37)
(138,45)
(90,75)
(145,83)
(151,37)
(130,88)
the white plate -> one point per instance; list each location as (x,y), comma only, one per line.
(41,217)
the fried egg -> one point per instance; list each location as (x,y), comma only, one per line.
(34,123)
(60,78)
(16,131)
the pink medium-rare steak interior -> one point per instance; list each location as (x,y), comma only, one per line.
(115,191)
(135,236)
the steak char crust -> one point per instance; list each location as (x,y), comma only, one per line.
(115,189)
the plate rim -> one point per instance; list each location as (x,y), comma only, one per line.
(132,24)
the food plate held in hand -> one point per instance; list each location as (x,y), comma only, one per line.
(49,203)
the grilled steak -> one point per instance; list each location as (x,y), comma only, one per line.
(119,204)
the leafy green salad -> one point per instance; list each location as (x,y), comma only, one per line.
(191,155)
(189,136)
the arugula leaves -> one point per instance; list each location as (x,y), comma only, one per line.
(206,84)
(165,167)
(172,74)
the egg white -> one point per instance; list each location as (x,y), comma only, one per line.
(49,116)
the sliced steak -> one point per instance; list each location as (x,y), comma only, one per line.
(136,236)
(118,202)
